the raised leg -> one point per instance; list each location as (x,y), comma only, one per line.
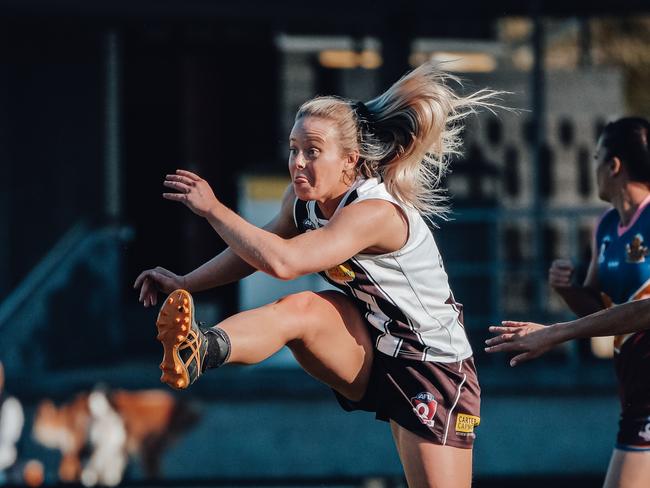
(325,331)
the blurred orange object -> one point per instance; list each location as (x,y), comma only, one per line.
(33,474)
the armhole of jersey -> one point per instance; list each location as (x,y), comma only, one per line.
(295,204)
(350,198)
(299,213)
(410,224)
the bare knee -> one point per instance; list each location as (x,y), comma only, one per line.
(298,305)
(296,311)
(298,301)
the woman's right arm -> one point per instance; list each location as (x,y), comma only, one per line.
(224,268)
(582,300)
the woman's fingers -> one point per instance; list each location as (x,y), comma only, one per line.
(150,297)
(500,339)
(145,287)
(505,347)
(149,291)
(153,297)
(496,329)
(513,323)
(177,197)
(520,358)
(153,281)
(182,189)
(140,278)
(492,341)
(562,263)
(507,327)
(177,185)
(560,274)
(181,179)
(189,174)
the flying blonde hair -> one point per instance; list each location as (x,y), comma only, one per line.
(407,134)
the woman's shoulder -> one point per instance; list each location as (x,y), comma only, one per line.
(373,188)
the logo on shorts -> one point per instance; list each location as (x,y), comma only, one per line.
(645,433)
(425,406)
(465,423)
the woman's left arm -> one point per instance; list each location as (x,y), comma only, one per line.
(369,224)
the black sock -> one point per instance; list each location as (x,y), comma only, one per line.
(218,347)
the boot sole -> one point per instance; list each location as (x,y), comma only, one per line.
(174,323)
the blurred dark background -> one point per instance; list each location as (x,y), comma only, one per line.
(99,100)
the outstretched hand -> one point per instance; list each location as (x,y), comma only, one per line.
(152,281)
(191,190)
(527,337)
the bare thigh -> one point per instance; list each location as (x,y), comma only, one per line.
(429,465)
(325,332)
(628,469)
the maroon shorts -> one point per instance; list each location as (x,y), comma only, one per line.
(437,401)
(633,434)
(632,370)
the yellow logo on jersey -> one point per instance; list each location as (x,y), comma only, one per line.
(341,273)
(466,422)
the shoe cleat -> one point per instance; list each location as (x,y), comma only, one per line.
(184,345)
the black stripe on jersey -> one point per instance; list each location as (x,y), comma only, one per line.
(364,282)
(399,325)
(386,305)
(458,308)
(318,212)
(301,215)
(351,197)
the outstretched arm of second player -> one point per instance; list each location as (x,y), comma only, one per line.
(533,340)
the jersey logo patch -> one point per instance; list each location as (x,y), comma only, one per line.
(425,406)
(466,423)
(635,250)
(603,248)
(341,274)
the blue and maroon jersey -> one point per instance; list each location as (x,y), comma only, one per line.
(624,275)
(623,261)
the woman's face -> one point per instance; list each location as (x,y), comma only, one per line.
(317,162)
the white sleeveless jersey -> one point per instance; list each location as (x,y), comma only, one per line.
(405,294)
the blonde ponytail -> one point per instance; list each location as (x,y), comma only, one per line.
(407,134)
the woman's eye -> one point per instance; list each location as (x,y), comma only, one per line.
(292,151)
(313,152)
